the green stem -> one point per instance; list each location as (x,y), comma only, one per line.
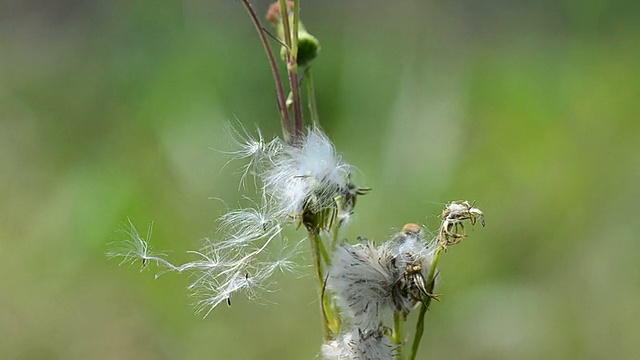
(284,13)
(425,304)
(316,245)
(292,64)
(294,82)
(296,26)
(419,331)
(323,252)
(397,335)
(311,95)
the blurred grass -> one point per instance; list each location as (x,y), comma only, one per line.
(109,111)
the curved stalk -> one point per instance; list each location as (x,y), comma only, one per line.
(431,277)
(280,94)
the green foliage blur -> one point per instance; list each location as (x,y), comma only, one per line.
(115,110)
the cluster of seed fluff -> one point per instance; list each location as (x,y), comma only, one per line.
(370,282)
(360,345)
(309,177)
(295,183)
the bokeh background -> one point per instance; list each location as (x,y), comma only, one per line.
(115,110)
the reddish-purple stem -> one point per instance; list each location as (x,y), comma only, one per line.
(284,113)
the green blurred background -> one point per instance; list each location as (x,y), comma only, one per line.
(111,110)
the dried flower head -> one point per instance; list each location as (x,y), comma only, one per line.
(452,229)
(414,257)
(369,282)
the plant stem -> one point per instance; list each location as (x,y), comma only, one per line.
(419,330)
(292,64)
(425,304)
(311,95)
(397,335)
(316,243)
(295,90)
(296,25)
(325,255)
(284,13)
(280,94)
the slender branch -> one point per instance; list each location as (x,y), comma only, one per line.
(280,94)
(323,252)
(419,331)
(431,277)
(273,37)
(397,335)
(293,69)
(311,95)
(284,13)
(296,25)
(292,64)
(297,108)
(315,242)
